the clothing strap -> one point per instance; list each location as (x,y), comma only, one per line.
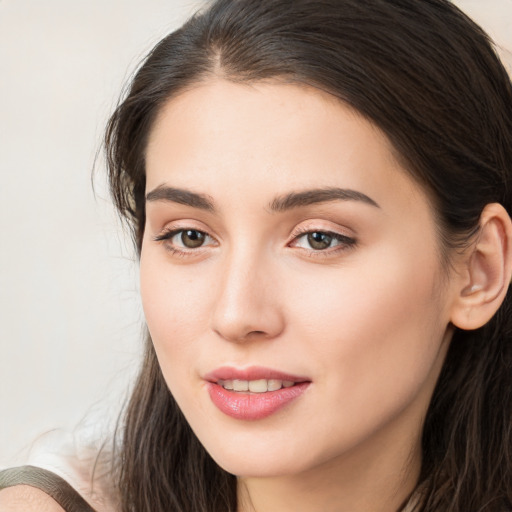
(48,482)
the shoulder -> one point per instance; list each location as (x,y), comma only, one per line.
(71,471)
(31,488)
(24,498)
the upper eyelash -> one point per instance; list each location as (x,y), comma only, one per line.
(168,233)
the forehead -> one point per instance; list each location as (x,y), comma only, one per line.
(266,139)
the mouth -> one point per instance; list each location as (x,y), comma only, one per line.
(253,393)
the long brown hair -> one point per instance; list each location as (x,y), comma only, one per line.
(427,76)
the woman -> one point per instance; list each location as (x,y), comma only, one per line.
(320,194)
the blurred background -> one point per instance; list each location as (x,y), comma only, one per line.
(70,318)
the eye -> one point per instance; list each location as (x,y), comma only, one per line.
(187,239)
(322,240)
(191,238)
(318,240)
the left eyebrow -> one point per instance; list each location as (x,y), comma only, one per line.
(321,195)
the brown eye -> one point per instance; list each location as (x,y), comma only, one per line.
(191,238)
(184,240)
(318,240)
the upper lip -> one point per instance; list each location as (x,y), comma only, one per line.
(251,373)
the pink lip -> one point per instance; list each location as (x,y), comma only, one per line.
(251,373)
(252,406)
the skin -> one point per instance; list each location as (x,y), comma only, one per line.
(367,322)
(23,498)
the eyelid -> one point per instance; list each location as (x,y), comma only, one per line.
(319,225)
(181,224)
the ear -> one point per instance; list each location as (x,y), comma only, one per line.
(486,270)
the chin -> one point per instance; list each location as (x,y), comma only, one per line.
(260,460)
(262,467)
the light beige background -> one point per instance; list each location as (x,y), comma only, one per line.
(70,318)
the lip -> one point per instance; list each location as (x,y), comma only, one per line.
(252,406)
(251,373)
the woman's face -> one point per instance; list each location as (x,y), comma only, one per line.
(287,256)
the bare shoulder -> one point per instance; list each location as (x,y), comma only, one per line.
(24,498)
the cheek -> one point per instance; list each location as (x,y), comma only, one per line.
(175,301)
(376,332)
(175,309)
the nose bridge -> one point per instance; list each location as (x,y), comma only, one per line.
(246,302)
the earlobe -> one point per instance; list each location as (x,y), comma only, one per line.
(487,270)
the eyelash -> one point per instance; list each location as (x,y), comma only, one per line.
(345,242)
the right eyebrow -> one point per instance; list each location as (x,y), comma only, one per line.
(181,196)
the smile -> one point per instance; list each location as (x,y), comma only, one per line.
(253,393)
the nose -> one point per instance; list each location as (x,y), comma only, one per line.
(247,305)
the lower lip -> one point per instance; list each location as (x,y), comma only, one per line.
(253,406)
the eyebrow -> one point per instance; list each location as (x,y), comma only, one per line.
(279,204)
(181,196)
(320,195)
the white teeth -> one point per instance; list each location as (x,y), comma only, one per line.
(255,386)
(274,384)
(240,385)
(258,386)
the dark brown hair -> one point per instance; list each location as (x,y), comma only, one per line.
(427,76)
